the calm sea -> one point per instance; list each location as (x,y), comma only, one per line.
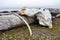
(9,9)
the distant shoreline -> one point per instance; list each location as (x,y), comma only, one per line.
(8,11)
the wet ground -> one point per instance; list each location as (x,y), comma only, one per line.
(39,32)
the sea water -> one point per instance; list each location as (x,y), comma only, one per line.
(9,9)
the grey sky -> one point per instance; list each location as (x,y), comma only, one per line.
(29,3)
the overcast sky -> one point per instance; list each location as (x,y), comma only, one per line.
(29,3)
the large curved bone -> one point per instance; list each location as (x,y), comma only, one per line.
(25,23)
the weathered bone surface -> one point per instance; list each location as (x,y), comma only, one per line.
(10,21)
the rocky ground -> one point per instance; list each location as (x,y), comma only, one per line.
(39,32)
